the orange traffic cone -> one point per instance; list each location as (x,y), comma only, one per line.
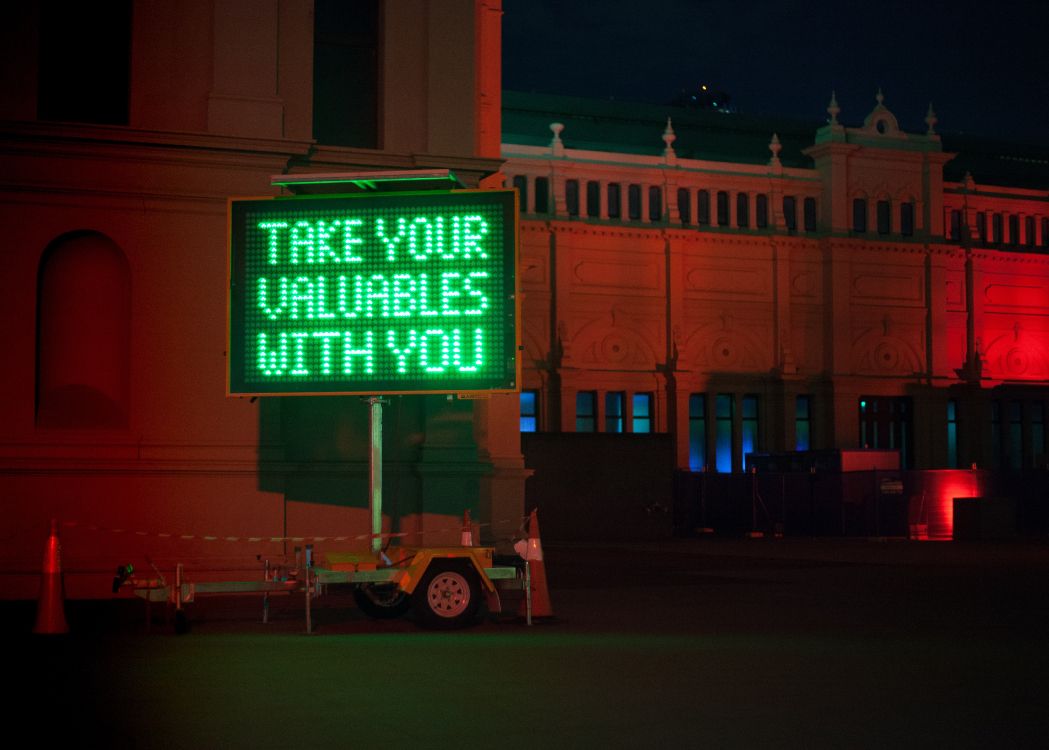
(531,549)
(466,539)
(50,609)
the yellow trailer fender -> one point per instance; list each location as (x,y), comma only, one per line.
(479,559)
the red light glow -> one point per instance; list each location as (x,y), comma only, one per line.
(941,487)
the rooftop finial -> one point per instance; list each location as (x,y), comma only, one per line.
(833,109)
(556,145)
(879,97)
(931,120)
(668,138)
(775,147)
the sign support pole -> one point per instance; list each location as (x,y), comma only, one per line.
(375,471)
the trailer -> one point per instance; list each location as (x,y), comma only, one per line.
(444,586)
(394,228)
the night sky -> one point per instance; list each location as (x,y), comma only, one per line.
(984,65)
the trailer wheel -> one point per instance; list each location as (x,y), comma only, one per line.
(448,596)
(383,601)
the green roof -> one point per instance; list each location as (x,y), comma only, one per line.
(631,128)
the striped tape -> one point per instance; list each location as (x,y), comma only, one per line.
(278,539)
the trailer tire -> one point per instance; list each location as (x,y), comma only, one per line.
(381,601)
(448,596)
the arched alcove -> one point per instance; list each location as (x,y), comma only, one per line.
(83,333)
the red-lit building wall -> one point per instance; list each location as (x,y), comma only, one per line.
(113,296)
(874,305)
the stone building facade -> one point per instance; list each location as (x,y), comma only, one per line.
(754,285)
(125,128)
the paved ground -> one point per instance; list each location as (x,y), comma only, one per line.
(698,643)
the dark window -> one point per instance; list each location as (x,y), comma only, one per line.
(750,425)
(1016,435)
(1014,229)
(703,207)
(907,219)
(572,197)
(803,423)
(981,227)
(1029,231)
(859,215)
(954,231)
(809,209)
(529,411)
(1045,232)
(83,333)
(614,404)
(723,409)
(614,201)
(634,202)
(761,210)
(1037,411)
(84,64)
(722,208)
(585,411)
(884,220)
(790,212)
(697,431)
(542,195)
(952,433)
(885,423)
(345,73)
(742,210)
(521,186)
(684,205)
(655,203)
(642,417)
(996,434)
(593,199)
(996,229)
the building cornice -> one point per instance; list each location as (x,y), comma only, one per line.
(577,159)
(46,135)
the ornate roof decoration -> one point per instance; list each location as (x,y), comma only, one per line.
(557,146)
(833,109)
(668,139)
(881,121)
(931,120)
(775,147)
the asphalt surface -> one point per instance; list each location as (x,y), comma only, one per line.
(694,643)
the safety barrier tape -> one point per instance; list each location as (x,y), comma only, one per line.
(278,539)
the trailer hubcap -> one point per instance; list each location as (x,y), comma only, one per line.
(449,594)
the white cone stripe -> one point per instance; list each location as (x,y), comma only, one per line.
(529,549)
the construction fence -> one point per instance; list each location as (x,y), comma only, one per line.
(935,504)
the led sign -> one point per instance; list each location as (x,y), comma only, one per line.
(373,294)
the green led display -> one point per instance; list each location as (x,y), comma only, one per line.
(373,294)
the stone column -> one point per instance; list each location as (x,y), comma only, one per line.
(672,215)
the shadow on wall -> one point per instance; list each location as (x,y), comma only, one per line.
(315,449)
